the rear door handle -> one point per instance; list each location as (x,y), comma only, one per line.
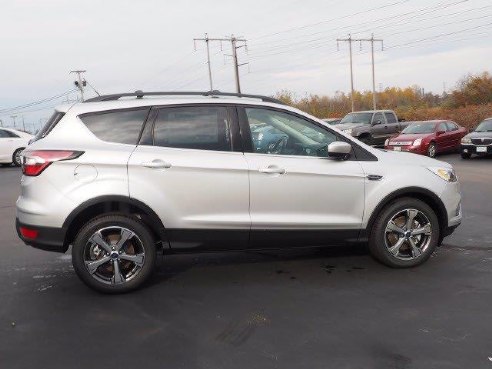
(272,169)
(157,164)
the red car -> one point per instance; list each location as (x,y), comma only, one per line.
(428,138)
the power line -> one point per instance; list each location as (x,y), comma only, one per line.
(19,107)
(333,19)
(236,43)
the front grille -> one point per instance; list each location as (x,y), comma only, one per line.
(481,141)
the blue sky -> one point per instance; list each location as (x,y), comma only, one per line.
(127,45)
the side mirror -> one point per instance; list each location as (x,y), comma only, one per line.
(438,133)
(339,150)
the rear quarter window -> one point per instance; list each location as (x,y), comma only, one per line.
(122,126)
(49,125)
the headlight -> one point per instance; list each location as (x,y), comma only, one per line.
(417,142)
(348,131)
(445,173)
(386,143)
(466,140)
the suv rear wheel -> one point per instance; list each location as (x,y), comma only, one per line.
(405,234)
(114,254)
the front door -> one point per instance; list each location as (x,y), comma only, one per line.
(188,170)
(380,130)
(298,196)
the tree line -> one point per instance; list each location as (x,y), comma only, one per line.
(467,104)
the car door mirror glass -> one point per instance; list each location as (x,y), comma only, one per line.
(339,150)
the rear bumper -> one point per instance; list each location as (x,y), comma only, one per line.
(44,238)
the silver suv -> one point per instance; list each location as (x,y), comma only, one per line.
(123,177)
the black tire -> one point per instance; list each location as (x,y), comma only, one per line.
(378,238)
(145,242)
(16,157)
(432,150)
(465,155)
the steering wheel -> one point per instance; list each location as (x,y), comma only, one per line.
(278,146)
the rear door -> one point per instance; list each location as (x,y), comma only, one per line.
(5,147)
(455,135)
(392,122)
(190,168)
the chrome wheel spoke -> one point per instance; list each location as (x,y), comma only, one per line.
(411,214)
(416,252)
(117,276)
(425,230)
(93,265)
(392,227)
(137,259)
(395,249)
(99,241)
(125,236)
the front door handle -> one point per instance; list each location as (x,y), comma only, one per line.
(272,169)
(157,164)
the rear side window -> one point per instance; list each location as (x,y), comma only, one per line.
(390,117)
(452,126)
(121,126)
(49,125)
(3,134)
(202,128)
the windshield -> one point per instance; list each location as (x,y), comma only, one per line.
(485,126)
(419,128)
(364,118)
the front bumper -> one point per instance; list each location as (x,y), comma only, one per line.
(475,149)
(414,149)
(44,238)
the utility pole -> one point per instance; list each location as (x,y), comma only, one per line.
(23,124)
(1,123)
(13,118)
(361,40)
(80,82)
(207,41)
(234,44)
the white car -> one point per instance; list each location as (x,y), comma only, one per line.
(12,142)
(122,177)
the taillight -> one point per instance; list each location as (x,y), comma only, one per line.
(34,162)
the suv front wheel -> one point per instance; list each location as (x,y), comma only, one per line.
(405,234)
(114,254)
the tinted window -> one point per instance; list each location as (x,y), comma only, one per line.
(11,134)
(378,117)
(357,118)
(485,126)
(274,132)
(390,117)
(122,126)
(452,126)
(442,127)
(49,125)
(201,128)
(416,128)
(3,134)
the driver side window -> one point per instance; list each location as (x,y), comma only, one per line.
(279,133)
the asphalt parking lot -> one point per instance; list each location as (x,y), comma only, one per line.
(317,308)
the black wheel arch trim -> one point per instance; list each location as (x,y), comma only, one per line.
(441,212)
(153,220)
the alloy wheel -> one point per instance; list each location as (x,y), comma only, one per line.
(114,255)
(408,234)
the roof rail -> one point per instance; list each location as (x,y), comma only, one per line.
(139,94)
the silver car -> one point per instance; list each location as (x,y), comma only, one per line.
(123,177)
